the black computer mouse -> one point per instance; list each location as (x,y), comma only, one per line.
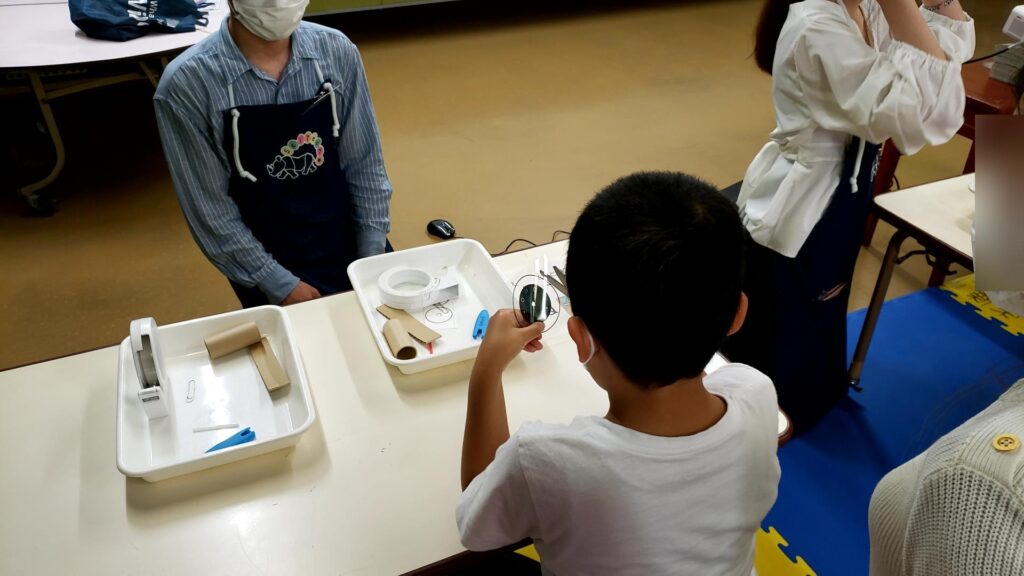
(442,229)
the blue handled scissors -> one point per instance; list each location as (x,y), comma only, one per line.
(241,437)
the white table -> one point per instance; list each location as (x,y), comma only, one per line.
(939,216)
(36,35)
(39,33)
(369,490)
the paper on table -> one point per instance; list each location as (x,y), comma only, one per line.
(413,326)
(270,368)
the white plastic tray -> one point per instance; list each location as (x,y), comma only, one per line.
(481,287)
(204,393)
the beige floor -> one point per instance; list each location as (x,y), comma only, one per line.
(502,118)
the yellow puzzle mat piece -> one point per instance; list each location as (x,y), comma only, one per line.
(963,291)
(530,552)
(769,559)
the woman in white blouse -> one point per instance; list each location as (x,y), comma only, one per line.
(847,75)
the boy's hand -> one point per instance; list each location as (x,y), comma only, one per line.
(504,340)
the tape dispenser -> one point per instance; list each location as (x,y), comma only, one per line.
(405,288)
(149,367)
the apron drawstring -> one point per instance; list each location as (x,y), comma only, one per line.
(856,165)
(330,90)
(234,132)
(334,109)
(238,159)
(301,209)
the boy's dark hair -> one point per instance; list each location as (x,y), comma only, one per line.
(655,270)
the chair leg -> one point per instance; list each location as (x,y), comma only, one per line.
(869,230)
(969,165)
(883,183)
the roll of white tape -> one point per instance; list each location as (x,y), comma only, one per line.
(408,288)
(149,361)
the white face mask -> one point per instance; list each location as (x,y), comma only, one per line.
(593,349)
(270,19)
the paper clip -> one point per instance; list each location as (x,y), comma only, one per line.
(241,437)
(480,327)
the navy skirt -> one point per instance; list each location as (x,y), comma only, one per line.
(795,331)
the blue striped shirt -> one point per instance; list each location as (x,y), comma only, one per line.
(190,105)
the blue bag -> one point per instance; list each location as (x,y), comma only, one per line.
(122,20)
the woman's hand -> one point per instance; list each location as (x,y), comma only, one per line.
(950,10)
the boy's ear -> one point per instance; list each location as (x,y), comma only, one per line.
(578,333)
(741,314)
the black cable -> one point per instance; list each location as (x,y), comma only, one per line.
(557,232)
(510,244)
(994,54)
(897,182)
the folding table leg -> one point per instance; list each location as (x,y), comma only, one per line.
(153,78)
(875,308)
(940,270)
(39,204)
(35,201)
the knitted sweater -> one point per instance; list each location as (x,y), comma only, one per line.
(957,509)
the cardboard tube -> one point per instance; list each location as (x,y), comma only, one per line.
(232,340)
(398,340)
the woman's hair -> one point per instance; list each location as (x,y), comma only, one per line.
(773,16)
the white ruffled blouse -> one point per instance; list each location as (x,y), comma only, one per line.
(829,85)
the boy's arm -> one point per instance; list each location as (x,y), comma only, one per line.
(486,423)
(486,419)
(497,508)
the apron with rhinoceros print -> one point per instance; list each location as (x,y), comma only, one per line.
(290,188)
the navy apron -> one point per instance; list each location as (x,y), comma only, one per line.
(291,191)
(795,331)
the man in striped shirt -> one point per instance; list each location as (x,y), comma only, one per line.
(272,143)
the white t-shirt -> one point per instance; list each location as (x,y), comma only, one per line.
(599,498)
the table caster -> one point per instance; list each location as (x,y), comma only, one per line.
(40,206)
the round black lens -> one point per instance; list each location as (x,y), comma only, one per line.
(535,304)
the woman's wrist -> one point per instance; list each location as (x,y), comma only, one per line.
(936,5)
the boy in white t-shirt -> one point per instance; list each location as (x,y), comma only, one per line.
(677,476)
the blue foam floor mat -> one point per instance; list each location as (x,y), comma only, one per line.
(933,364)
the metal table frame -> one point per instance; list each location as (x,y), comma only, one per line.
(44,97)
(39,42)
(933,248)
